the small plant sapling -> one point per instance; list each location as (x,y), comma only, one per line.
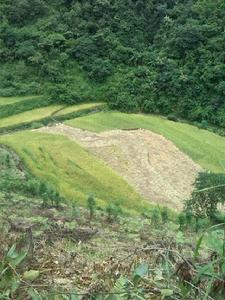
(164,215)
(91,202)
(155,217)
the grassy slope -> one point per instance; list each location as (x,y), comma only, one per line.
(28,116)
(43,112)
(77,107)
(11,100)
(74,171)
(206,148)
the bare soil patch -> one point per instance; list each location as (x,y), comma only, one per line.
(153,165)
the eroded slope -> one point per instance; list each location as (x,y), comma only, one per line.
(152,164)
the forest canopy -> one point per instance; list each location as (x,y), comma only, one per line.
(159,56)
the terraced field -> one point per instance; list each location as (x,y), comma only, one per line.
(71,169)
(93,164)
(29,116)
(41,113)
(63,163)
(12,100)
(204,147)
(74,108)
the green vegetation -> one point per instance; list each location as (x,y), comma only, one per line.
(29,116)
(13,100)
(44,229)
(74,108)
(73,171)
(208,199)
(204,147)
(24,104)
(42,246)
(161,56)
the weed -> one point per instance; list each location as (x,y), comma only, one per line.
(91,203)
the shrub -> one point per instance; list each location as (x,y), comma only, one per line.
(113,210)
(91,206)
(181,220)
(164,214)
(188,217)
(209,192)
(36,125)
(204,124)
(172,117)
(155,216)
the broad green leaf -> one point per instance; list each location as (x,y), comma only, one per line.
(198,245)
(11,251)
(166,293)
(31,275)
(140,272)
(34,294)
(18,259)
(215,241)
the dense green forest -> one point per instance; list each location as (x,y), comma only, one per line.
(160,56)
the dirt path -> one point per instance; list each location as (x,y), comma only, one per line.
(153,165)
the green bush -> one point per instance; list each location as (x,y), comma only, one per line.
(208,194)
(204,124)
(155,216)
(164,214)
(113,210)
(91,203)
(172,117)
(36,125)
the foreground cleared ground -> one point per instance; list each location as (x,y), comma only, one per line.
(59,251)
(204,147)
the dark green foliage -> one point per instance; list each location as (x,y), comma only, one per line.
(204,124)
(164,214)
(151,56)
(208,194)
(155,216)
(29,104)
(91,203)
(10,281)
(172,117)
(113,210)
(189,217)
(181,220)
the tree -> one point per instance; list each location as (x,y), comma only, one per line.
(208,194)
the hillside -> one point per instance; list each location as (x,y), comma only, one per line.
(77,207)
(204,147)
(157,170)
(51,249)
(112,150)
(151,56)
(160,172)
